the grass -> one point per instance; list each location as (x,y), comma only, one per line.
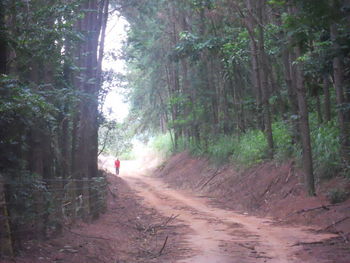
(162,143)
(221,148)
(250,148)
(325,147)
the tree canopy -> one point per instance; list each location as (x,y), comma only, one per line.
(206,70)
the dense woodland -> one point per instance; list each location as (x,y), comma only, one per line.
(241,80)
(246,80)
(50,83)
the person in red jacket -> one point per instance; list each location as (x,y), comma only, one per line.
(117,166)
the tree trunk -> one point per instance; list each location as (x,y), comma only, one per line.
(3,42)
(85,157)
(259,74)
(326,101)
(264,85)
(6,242)
(36,161)
(318,108)
(304,126)
(343,109)
(289,74)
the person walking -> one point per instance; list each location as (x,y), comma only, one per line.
(117,166)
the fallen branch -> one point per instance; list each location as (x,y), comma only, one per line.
(274,182)
(87,235)
(111,192)
(246,246)
(289,174)
(289,192)
(154,226)
(335,223)
(211,178)
(312,209)
(291,171)
(166,240)
(172,217)
(344,236)
(307,243)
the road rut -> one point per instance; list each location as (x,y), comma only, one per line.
(219,235)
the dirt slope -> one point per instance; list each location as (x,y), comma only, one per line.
(267,190)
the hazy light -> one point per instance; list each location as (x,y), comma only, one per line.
(114,106)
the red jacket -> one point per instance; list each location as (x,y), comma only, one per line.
(117,164)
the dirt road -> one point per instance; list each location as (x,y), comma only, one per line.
(219,235)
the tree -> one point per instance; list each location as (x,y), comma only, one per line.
(210,69)
(49,107)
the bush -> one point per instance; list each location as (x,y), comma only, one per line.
(337,195)
(251,148)
(221,149)
(162,144)
(282,139)
(326,147)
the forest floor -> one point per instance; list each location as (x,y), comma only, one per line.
(187,211)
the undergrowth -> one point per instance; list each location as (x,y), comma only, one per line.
(162,143)
(250,148)
(326,147)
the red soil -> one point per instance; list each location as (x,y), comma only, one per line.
(268,190)
(126,233)
(133,229)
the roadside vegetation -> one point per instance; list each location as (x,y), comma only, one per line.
(251,148)
(244,81)
(50,89)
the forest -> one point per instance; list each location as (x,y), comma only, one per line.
(245,80)
(242,81)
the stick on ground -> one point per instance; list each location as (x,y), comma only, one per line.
(166,239)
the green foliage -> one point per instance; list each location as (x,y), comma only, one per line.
(190,72)
(192,46)
(326,146)
(185,144)
(25,196)
(99,191)
(235,50)
(337,195)
(246,150)
(220,149)
(162,143)
(251,148)
(40,107)
(284,149)
(114,138)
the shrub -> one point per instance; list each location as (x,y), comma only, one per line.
(220,149)
(337,195)
(162,144)
(326,147)
(251,148)
(282,139)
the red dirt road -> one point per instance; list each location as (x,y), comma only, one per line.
(219,235)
